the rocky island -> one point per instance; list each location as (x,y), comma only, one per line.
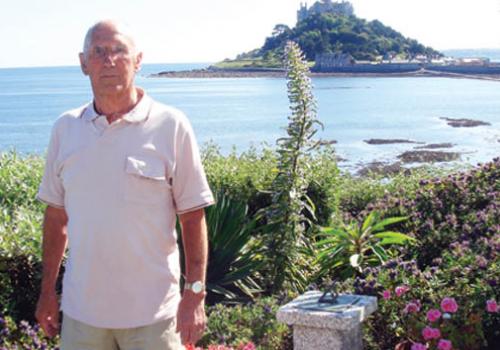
(338,43)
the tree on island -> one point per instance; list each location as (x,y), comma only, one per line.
(328,33)
(320,33)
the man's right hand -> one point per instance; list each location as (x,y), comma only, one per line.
(47,313)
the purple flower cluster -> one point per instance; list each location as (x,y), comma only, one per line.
(453,209)
(23,336)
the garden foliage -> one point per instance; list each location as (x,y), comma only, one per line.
(457,259)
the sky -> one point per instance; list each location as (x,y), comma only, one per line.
(50,32)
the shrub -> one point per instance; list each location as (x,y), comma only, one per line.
(21,284)
(234,325)
(20,235)
(245,177)
(461,206)
(248,177)
(19,180)
(357,195)
(21,231)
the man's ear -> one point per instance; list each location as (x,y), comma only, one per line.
(83,64)
(138,61)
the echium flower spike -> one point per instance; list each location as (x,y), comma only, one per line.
(289,187)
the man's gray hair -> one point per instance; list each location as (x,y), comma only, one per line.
(121,28)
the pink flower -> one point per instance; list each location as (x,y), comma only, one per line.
(247,346)
(412,307)
(418,346)
(449,305)
(491,306)
(433,315)
(386,294)
(192,347)
(444,344)
(431,333)
(401,290)
(437,333)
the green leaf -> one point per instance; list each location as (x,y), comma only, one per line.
(379,252)
(389,237)
(389,221)
(368,221)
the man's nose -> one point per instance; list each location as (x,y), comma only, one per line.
(109,59)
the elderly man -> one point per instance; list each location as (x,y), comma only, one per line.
(118,171)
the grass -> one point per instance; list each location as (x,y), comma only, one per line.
(249,63)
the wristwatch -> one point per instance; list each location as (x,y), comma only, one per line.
(196,287)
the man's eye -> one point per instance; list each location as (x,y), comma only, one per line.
(98,51)
(120,50)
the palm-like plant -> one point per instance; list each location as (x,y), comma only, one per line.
(234,255)
(346,251)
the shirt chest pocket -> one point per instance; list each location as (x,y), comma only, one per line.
(146,180)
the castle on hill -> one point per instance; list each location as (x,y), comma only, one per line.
(343,8)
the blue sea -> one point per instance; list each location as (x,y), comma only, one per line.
(245,112)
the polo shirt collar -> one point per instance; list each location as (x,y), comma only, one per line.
(139,113)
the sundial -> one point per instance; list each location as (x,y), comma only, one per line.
(330,301)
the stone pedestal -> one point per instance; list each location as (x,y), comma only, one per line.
(318,326)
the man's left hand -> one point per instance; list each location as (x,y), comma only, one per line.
(191,317)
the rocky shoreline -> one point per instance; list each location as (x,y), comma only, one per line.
(424,154)
(463,122)
(281,73)
(436,145)
(388,141)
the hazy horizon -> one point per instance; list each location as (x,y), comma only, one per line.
(36,33)
(496,50)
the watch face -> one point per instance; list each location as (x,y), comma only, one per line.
(197,287)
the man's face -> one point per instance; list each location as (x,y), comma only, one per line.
(110,62)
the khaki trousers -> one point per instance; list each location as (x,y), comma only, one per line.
(76,335)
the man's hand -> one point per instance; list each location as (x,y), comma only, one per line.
(47,313)
(191,317)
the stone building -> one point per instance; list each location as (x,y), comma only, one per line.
(327,61)
(343,8)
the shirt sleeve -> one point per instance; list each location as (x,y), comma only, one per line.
(190,187)
(51,190)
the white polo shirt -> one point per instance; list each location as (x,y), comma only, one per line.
(122,186)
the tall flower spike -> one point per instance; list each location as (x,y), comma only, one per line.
(289,200)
